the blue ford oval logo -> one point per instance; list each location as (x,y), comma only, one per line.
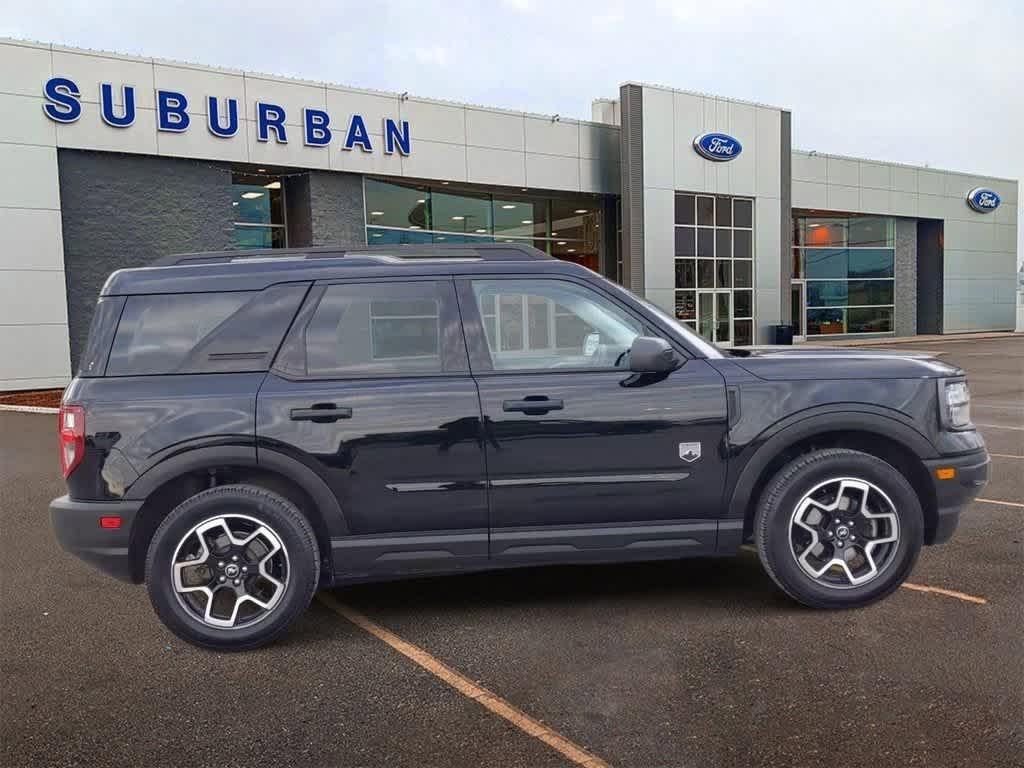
(717,146)
(983,200)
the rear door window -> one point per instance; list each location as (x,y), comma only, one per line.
(203,332)
(378,329)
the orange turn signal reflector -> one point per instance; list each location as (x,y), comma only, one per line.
(111,521)
(945,473)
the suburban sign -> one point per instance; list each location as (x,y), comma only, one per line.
(983,200)
(717,146)
(63,105)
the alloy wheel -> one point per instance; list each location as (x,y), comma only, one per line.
(230,571)
(844,532)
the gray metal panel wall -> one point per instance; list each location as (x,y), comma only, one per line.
(786,214)
(632,167)
(125,211)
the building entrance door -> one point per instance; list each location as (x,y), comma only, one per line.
(714,316)
(798,302)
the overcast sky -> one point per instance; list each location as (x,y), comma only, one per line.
(936,82)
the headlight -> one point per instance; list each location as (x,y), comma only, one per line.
(955,403)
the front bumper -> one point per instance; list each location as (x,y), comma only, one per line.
(953,495)
(77,526)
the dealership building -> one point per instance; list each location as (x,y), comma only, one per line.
(699,203)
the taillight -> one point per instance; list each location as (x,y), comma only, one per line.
(72,437)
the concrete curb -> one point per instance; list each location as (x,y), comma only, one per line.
(28,409)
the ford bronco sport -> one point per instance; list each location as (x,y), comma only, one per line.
(246,427)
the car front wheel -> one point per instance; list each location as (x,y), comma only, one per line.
(232,567)
(838,528)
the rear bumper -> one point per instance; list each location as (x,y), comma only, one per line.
(953,495)
(77,527)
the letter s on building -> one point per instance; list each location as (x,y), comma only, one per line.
(62,104)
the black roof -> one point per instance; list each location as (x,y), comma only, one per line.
(481,251)
(257,269)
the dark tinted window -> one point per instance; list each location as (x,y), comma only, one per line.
(203,332)
(101,333)
(379,329)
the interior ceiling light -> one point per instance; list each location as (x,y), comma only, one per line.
(482,230)
(377,234)
(422,200)
(272,185)
(572,250)
(508,206)
(252,195)
(581,210)
(414,226)
(554,234)
(561,242)
(261,170)
(376,213)
(458,218)
(527,221)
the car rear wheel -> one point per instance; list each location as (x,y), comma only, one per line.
(232,567)
(838,528)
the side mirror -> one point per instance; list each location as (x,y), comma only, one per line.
(651,355)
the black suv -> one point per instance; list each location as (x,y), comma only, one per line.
(247,427)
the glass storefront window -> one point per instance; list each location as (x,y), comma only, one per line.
(390,205)
(567,227)
(520,217)
(463,212)
(257,203)
(848,265)
(714,249)
(686,242)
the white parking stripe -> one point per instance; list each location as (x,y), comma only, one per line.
(998,426)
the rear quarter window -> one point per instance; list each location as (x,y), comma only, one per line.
(226,332)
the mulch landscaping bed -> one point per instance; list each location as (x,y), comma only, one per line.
(48,398)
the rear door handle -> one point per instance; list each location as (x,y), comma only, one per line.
(321,413)
(534,405)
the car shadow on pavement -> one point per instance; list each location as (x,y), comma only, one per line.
(726,584)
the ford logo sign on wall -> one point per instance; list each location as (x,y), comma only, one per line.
(717,146)
(983,200)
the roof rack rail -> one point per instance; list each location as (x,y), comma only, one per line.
(384,253)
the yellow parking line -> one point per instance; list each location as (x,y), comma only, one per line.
(1004,503)
(946,592)
(467,687)
(922,587)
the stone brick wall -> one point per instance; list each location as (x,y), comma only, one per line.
(905,270)
(127,210)
(336,206)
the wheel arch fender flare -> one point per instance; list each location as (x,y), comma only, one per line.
(790,431)
(201,458)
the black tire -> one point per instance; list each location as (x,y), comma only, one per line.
(282,518)
(778,505)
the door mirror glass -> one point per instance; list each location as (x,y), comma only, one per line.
(652,355)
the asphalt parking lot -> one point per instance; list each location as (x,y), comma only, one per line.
(695,663)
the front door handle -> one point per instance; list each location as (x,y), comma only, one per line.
(535,405)
(321,413)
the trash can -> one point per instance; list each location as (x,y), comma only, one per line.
(782,334)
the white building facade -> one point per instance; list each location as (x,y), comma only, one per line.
(697,202)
